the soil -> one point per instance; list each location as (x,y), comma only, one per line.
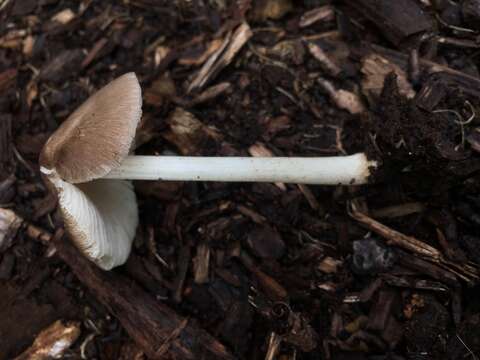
(251,264)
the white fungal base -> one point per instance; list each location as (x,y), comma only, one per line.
(337,170)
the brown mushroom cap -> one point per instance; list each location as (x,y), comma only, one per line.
(98,135)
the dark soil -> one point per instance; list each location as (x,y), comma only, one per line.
(249,263)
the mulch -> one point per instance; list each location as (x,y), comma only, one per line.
(253,271)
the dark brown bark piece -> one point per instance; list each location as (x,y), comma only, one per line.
(62,66)
(5,145)
(433,91)
(156,328)
(397,19)
(7,79)
(453,79)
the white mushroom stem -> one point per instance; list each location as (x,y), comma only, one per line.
(353,169)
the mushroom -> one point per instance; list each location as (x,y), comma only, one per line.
(88,163)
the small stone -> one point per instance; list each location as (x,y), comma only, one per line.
(371,257)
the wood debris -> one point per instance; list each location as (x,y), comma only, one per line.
(7,79)
(344,99)
(222,57)
(52,342)
(375,68)
(253,270)
(64,17)
(211,93)
(188,133)
(328,65)
(271,9)
(323,13)
(9,225)
(398,19)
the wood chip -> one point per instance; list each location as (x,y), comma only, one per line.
(222,57)
(211,93)
(63,65)
(327,64)
(395,237)
(92,54)
(197,60)
(7,78)
(161,89)
(9,225)
(13,39)
(398,210)
(52,342)
(397,19)
(329,265)
(375,68)
(6,150)
(187,132)
(322,13)
(271,9)
(28,44)
(201,263)
(344,99)
(64,17)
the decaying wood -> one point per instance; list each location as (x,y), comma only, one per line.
(66,61)
(398,210)
(397,19)
(183,261)
(188,133)
(395,237)
(271,9)
(433,91)
(375,68)
(466,272)
(425,267)
(414,283)
(6,151)
(10,223)
(344,99)
(327,64)
(452,78)
(156,328)
(295,328)
(7,191)
(222,57)
(7,78)
(211,93)
(322,13)
(92,54)
(270,286)
(52,342)
(201,263)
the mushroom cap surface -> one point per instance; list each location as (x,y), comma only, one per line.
(98,135)
(100,215)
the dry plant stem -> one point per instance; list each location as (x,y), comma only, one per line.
(466,272)
(347,170)
(395,237)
